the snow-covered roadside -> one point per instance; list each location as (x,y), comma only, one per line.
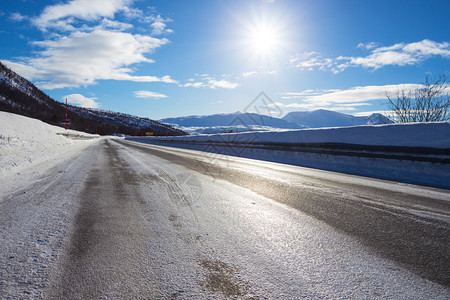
(434,136)
(27,142)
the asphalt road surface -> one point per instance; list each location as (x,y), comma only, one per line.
(129,220)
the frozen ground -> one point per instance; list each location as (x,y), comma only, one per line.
(27,142)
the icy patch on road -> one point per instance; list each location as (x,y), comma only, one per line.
(26,142)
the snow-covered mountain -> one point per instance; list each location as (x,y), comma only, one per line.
(240,122)
(326,118)
(233,122)
(19,96)
(237,118)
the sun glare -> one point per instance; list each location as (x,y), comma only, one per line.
(263,39)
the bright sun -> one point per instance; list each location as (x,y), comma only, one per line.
(264,37)
(264,40)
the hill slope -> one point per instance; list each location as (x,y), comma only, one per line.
(19,96)
(325,118)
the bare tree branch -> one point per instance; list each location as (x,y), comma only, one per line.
(429,103)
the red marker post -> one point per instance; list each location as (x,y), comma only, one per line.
(65,126)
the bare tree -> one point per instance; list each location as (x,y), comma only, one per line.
(428,103)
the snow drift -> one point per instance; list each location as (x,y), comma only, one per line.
(25,142)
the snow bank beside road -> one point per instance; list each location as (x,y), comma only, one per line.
(25,142)
(413,153)
(432,135)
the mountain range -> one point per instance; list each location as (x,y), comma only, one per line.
(326,118)
(239,122)
(19,96)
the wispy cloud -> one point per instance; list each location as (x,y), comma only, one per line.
(249,74)
(313,60)
(400,54)
(369,45)
(17,17)
(306,93)
(357,94)
(194,84)
(82,101)
(207,81)
(107,24)
(341,99)
(224,84)
(368,113)
(256,73)
(148,94)
(158,24)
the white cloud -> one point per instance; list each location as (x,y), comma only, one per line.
(428,48)
(368,113)
(24,70)
(82,100)
(133,13)
(306,93)
(207,81)
(368,46)
(249,74)
(148,94)
(342,99)
(357,94)
(158,27)
(17,17)
(400,54)
(113,25)
(87,10)
(256,73)
(194,84)
(86,43)
(224,84)
(158,24)
(82,58)
(312,60)
(380,59)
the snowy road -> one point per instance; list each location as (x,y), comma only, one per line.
(128,220)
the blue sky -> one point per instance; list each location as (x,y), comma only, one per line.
(171,58)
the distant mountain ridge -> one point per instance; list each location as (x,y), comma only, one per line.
(232,119)
(239,122)
(19,96)
(326,118)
